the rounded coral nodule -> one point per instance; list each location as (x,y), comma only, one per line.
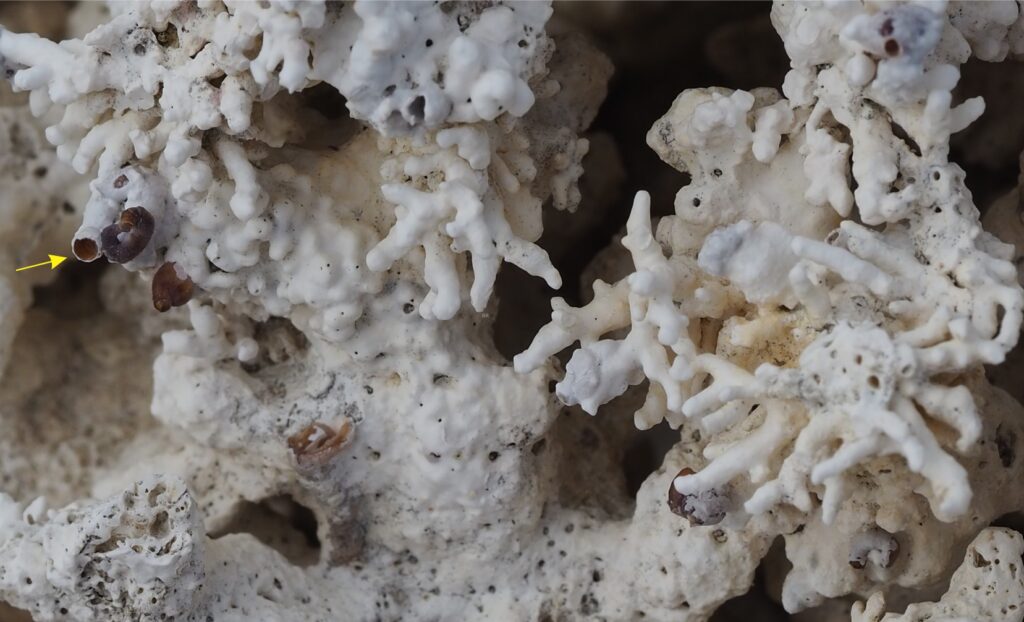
(129,236)
(172,287)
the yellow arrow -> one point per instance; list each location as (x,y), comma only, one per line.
(55,260)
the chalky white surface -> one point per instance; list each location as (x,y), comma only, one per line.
(817,343)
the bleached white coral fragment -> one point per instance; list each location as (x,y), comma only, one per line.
(902,37)
(178,104)
(281,25)
(419,64)
(988,27)
(771,123)
(180,107)
(730,181)
(756,259)
(658,346)
(866,395)
(156,80)
(135,556)
(845,330)
(889,309)
(460,197)
(855,370)
(987,587)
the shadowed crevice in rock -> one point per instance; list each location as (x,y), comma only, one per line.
(279,522)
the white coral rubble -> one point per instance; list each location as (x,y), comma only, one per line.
(135,556)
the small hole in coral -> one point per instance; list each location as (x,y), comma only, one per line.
(169,37)
(326,100)
(417,109)
(1006,443)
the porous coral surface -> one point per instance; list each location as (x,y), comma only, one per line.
(289,374)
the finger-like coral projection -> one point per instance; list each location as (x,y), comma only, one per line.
(460,197)
(602,369)
(865,395)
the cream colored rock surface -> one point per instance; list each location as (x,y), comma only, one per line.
(987,586)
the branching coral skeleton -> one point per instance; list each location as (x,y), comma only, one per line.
(887,312)
(603,368)
(465,184)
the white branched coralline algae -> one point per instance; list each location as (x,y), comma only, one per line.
(294,402)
